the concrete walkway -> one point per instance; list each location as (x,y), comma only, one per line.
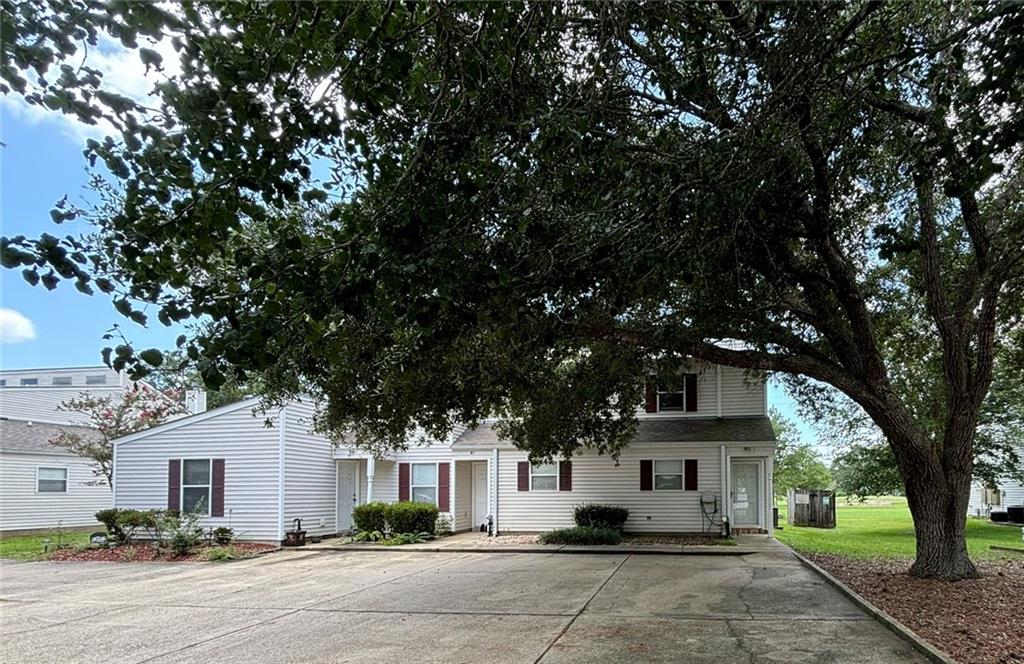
(310,606)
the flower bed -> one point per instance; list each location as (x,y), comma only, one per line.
(976,621)
(149,553)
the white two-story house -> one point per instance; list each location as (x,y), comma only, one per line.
(701,457)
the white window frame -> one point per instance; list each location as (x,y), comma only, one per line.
(436,485)
(557,475)
(681,474)
(659,392)
(208,485)
(67,475)
(28,382)
(61,381)
(96,379)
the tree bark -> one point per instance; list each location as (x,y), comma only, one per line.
(939,508)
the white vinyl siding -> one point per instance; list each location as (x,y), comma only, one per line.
(23,507)
(741,395)
(596,479)
(40,404)
(250,453)
(310,474)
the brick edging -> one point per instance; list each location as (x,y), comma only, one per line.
(932,653)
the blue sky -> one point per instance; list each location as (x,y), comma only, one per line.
(41,162)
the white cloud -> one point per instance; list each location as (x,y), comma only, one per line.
(15,327)
(123,73)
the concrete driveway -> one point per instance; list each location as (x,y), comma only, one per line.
(305,606)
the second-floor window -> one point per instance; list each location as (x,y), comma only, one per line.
(62,380)
(96,380)
(672,394)
(29,381)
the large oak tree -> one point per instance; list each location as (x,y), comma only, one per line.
(424,213)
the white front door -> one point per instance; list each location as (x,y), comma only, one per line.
(479,494)
(348,493)
(746,493)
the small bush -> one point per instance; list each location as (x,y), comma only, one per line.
(369,536)
(370,517)
(181,532)
(410,517)
(406,538)
(220,553)
(581,535)
(124,524)
(600,516)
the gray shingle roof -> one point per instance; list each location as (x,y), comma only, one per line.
(25,436)
(661,430)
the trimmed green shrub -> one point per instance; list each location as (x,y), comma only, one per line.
(581,535)
(410,517)
(600,516)
(370,517)
(123,525)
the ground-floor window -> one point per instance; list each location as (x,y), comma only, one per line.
(195,486)
(52,480)
(544,477)
(424,483)
(668,475)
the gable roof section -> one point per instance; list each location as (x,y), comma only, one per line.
(660,430)
(191,419)
(31,437)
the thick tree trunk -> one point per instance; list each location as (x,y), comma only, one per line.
(939,508)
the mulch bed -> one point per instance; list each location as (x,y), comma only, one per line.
(975,621)
(149,553)
(685,540)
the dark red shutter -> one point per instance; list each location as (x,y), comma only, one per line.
(443,486)
(691,392)
(651,397)
(690,475)
(217,489)
(403,481)
(565,476)
(523,476)
(646,475)
(174,484)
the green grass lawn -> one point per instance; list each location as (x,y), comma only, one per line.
(882,527)
(30,547)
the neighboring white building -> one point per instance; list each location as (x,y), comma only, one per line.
(30,417)
(985,500)
(43,487)
(700,453)
(35,394)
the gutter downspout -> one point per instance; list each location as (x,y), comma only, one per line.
(281,423)
(725,486)
(494,489)
(371,468)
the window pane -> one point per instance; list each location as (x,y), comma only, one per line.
(671,401)
(62,380)
(196,471)
(195,497)
(424,473)
(668,467)
(544,469)
(53,474)
(544,483)
(668,482)
(53,486)
(29,381)
(424,495)
(95,380)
